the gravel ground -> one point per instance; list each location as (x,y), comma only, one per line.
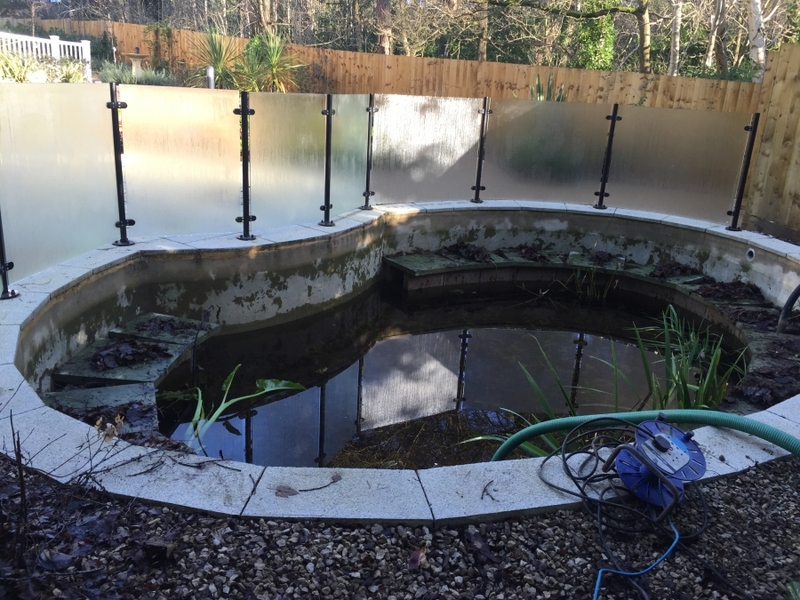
(74,543)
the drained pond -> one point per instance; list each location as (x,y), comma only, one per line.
(399,386)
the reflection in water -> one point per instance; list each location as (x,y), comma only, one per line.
(408,377)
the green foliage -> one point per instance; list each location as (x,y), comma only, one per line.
(793,591)
(693,376)
(218,52)
(24,69)
(121,73)
(158,37)
(595,38)
(265,65)
(539,94)
(201,421)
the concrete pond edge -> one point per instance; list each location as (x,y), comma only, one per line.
(70,451)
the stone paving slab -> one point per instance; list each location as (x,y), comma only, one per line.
(8,343)
(101,259)
(788,409)
(361,496)
(196,482)
(103,397)
(19,310)
(16,395)
(494,490)
(53,280)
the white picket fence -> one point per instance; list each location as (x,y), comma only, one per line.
(42,47)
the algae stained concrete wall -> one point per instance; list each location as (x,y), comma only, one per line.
(251,286)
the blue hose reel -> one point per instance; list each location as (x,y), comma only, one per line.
(667,449)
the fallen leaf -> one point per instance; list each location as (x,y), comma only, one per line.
(54,561)
(416,559)
(284,491)
(336,477)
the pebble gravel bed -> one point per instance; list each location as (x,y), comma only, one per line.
(74,543)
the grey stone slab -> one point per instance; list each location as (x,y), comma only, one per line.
(109,397)
(409,208)
(16,395)
(362,216)
(17,311)
(192,239)
(58,445)
(494,490)
(9,334)
(166,328)
(362,495)
(778,422)
(687,223)
(590,209)
(292,233)
(788,409)
(450,205)
(500,204)
(230,242)
(102,258)
(542,206)
(640,215)
(339,225)
(53,280)
(80,369)
(186,480)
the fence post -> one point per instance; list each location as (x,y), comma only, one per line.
(368,193)
(602,194)
(478,188)
(326,208)
(86,57)
(124,222)
(55,51)
(5,267)
(748,155)
(245,111)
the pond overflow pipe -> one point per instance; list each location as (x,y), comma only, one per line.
(692,416)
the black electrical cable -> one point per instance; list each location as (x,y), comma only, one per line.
(583,453)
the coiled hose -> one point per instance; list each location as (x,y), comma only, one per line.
(693,416)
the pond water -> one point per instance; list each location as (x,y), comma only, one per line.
(391,377)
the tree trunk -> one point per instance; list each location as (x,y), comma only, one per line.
(383,18)
(643,20)
(716,31)
(675,38)
(757,44)
(483,22)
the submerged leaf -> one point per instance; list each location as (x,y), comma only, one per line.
(273,385)
(230,427)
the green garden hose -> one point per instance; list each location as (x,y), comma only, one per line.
(701,417)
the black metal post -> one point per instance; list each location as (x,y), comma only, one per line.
(326,208)
(124,222)
(5,267)
(245,111)
(248,436)
(478,188)
(462,368)
(576,368)
(321,458)
(748,155)
(368,193)
(602,194)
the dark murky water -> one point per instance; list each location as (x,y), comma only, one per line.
(383,373)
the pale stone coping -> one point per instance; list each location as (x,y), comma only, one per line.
(67,449)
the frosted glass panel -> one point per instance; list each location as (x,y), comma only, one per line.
(57,186)
(287,158)
(410,377)
(341,410)
(680,162)
(181,159)
(425,148)
(286,432)
(550,151)
(349,152)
